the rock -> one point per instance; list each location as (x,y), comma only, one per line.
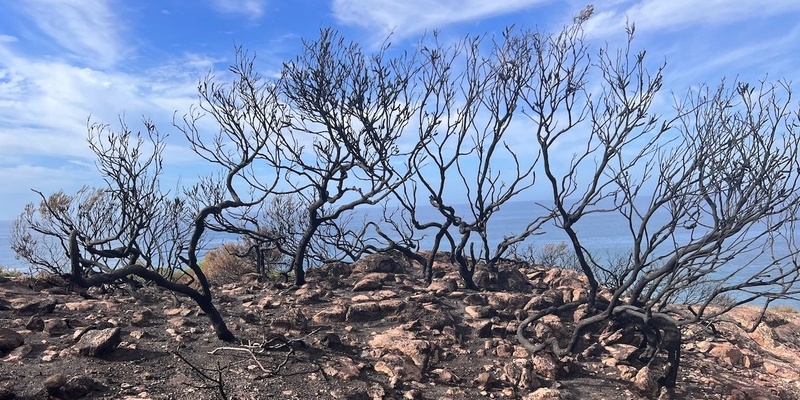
(507,302)
(475,299)
(60,387)
(519,373)
(544,394)
(644,382)
(362,312)
(342,368)
(443,286)
(549,298)
(53,383)
(10,340)
(620,351)
(484,381)
(141,318)
(479,312)
(398,369)
(727,353)
(334,313)
(386,262)
(18,354)
(97,342)
(402,341)
(34,307)
(371,281)
(291,320)
(545,366)
(445,375)
(56,326)
(35,324)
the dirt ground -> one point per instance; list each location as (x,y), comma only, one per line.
(315,343)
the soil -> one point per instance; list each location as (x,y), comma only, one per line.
(288,351)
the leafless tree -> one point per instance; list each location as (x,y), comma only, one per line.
(350,109)
(470,93)
(709,196)
(129,228)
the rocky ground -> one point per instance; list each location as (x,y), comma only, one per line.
(369,330)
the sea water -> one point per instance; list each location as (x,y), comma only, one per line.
(603,234)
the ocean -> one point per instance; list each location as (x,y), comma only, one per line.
(603,234)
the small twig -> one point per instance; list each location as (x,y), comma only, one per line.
(247,350)
(218,382)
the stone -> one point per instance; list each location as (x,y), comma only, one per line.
(549,298)
(334,313)
(545,366)
(342,368)
(644,382)
(56,326)
(371,281)
(404,342)
(34,307)
(398,369)
(59,386)
(479,312)
(385,262)
(141,318)
(507,302)
(443,286)
(544,394)
(727,353)
(292,320)
(18,354)
(475,299)
(362,312)
(519,373)
(35,324)
(10,340)
(484,381)
(98,342)
(621,352)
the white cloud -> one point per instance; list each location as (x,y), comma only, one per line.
(251,9)
(652,15)
(89,30)
(405,18)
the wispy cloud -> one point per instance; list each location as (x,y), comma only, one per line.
(251,9)
(406,18)
(89,30)
(610,18)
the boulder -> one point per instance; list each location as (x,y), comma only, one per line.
(98,342)
(34,307)
(645,382)
(334,313)
(362,312)
(386,262)
(10,340)
(59,386)
(56,326)
(398,369)
(544,394)
(371,281)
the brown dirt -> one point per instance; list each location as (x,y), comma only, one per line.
(169,352)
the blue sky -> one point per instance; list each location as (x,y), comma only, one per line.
(64,60)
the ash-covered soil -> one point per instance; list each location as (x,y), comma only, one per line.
(370,330)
